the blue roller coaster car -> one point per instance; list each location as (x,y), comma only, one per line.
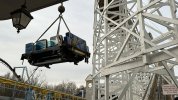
(58,50)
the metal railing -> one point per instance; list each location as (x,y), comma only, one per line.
(15,89)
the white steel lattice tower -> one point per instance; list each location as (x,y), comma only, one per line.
(135,49)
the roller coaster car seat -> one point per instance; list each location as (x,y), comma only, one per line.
(58,50)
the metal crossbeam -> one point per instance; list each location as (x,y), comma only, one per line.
(133,34)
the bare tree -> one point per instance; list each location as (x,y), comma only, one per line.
(81,91)
(36,78)
(67,87)
(7,75)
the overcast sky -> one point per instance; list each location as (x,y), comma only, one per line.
(79,17)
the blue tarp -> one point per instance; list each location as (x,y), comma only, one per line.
(75,41)
(42,44)
(29,47)
(69,39)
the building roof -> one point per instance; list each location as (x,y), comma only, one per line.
(8,6)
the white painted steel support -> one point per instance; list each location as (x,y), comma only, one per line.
(126,87)
(131,35)
(106,51)
(170,73)
(107,87)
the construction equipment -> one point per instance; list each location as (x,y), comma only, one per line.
(58,50)
(44,53)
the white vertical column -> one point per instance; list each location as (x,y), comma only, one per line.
(173,12)
(93,90)
(107,87)
(106,31)
(142,30)
(130,90)
(106,51)
(94,56)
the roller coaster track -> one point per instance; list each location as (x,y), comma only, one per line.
(11,69)
(40,93)
(11,87)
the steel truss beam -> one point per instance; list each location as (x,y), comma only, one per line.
(135,48)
